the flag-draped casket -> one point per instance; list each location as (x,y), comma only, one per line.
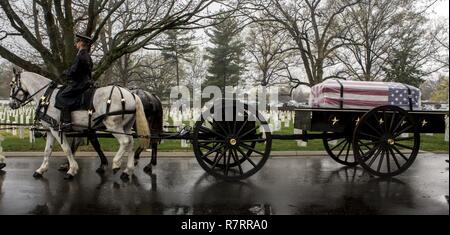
(363,95)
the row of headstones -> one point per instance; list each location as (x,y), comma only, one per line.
(276,120)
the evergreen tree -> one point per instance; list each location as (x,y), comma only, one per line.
(225,56)
(178,47)
(408,61)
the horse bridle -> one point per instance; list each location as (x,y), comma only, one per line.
(16,85)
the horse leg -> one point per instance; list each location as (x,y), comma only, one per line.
(124,142)
(148,167)
(47,153)
(137,155)
(96,144)
(73,165)
(130,163)
(75,143)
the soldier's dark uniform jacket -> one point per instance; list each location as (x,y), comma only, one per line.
(79,76)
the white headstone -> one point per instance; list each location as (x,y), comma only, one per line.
(300,143)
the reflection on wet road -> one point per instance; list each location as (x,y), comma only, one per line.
(294,185)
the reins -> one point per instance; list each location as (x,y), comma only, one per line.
(20,88)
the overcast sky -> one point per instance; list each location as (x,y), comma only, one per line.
(441,8)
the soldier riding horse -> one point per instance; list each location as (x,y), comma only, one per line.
(112,109)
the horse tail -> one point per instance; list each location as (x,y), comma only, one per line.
(142,127)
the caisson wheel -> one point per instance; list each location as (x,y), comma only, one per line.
(386,141)
(231,149)
(339,148)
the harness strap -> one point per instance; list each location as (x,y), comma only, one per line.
(44,103)
(108,103)
(341,102)
(115,113)
(122,100)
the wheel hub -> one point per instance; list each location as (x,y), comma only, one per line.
(232,141)
(391,141)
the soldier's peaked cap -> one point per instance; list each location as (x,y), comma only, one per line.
(85,39)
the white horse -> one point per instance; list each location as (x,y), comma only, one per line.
(26,86)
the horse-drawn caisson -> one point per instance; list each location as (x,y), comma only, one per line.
(384,140)
(374,125)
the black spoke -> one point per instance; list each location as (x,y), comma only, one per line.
(203,128)
(381,161)
(252,149)
(337,145)
(375,156)
(369,135)
(216,161)
(340,152)
(404,146)
(236,160)
(242,127)
(388,162)
(248,132)
(205,146)
(348,150)
(213,150)
(246,157)
(405,138)
(373,128)
(392,121)
(369,153)
(209,141)
(370,143)
(395,158)
(399,152)
(217,124)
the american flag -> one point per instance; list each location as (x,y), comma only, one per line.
(363,95)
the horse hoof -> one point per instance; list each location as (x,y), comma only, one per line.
(148,169)
(100,170)
(115,170)
(37,175)
(63,167)
(68,177)
(125,177)
(2,165)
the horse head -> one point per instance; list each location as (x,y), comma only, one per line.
(18,94)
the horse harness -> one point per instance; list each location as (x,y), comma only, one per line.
(42,108)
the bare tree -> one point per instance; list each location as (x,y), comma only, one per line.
(378,28)
(155,74)
(270,49)
(48,27)
(314,27)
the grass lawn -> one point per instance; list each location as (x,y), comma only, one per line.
(12,143)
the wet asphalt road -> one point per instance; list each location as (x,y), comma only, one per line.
(294,185)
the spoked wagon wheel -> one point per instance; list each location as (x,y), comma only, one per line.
(379,143)
(341,151)
(232,149)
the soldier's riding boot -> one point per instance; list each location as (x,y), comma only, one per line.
(66,120)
